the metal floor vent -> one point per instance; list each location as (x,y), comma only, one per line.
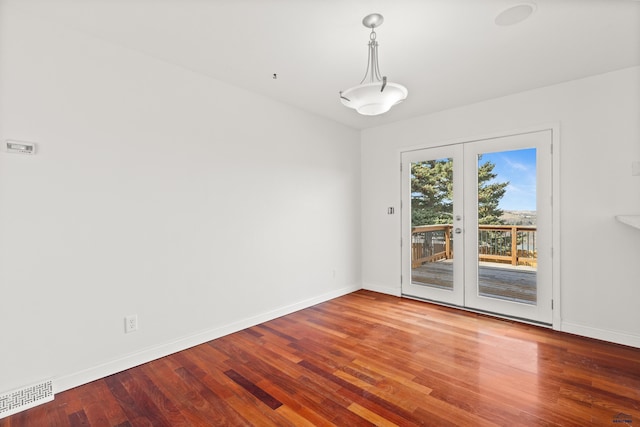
(25,398)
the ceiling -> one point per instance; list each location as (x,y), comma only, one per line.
(448,53)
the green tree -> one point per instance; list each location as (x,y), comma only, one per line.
(490,193)
(432,193)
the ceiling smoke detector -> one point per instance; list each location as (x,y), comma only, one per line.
(515,14)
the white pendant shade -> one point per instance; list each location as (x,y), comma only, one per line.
(378,95)
(368,100)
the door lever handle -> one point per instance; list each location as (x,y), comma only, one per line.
(458,230)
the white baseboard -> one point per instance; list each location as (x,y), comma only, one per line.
(76,379)
(601,334)
(396,292)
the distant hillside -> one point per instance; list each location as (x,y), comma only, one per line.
(519,217)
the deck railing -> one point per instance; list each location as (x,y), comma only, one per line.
(505,244)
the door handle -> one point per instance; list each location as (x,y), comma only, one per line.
(458,230)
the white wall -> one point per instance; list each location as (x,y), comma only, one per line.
(599,119)
(155,191)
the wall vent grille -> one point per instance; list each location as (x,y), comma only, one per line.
(25,398)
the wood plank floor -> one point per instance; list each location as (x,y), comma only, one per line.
(367,359)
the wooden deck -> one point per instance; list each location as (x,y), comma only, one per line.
(496,280)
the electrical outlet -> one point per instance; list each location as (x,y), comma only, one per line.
(131,323)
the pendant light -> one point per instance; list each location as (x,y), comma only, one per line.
(374,95)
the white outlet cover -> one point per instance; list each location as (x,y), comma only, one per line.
(131,323)
(635,168)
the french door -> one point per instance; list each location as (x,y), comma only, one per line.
(477,229)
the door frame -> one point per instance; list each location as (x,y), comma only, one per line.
(555,205)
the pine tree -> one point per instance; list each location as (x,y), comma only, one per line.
(432,193)
(489,195)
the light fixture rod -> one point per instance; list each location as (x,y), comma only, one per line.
(373,66)
(369,62)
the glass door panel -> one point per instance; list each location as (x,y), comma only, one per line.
(507,255)
(432,188)
(508,239)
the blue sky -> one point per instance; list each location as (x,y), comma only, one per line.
(519,168)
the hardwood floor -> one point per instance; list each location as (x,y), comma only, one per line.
(367,359)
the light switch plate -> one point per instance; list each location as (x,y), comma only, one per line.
(635,168)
